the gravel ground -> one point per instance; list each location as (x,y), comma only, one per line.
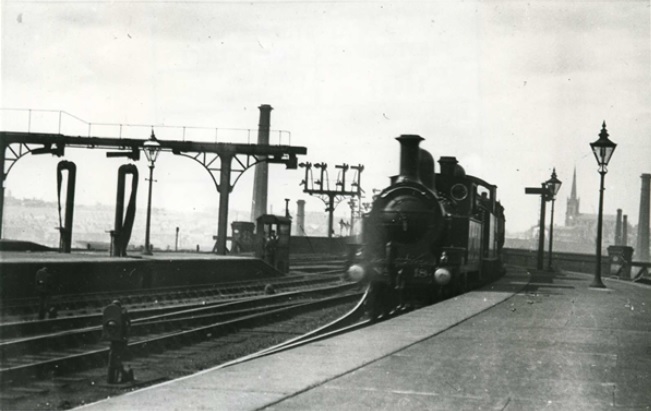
(65,392)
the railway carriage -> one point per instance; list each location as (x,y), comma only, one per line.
(428,235)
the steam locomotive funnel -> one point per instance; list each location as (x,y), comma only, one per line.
(409,156)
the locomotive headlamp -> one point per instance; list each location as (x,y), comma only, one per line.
(442,276)
(356,272)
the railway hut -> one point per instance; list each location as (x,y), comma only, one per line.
(243,239)
(272,241)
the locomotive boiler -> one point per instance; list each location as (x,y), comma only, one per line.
(427,236)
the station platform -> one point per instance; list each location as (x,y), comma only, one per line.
(93,271)
(531,341)
(102,256)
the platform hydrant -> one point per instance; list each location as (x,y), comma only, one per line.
(115,329)
(44,284)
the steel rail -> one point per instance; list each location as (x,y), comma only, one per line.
(145,346)
(350,321)
(90,333)
(93,300)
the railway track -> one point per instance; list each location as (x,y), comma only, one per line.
(17,310)
(74,349)
(164,354)
(351,321)
(180,355)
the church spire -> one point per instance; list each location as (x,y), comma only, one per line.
(572,211)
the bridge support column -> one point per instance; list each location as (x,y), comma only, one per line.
(224,194)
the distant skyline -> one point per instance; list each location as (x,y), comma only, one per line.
(93,223)
(512,89)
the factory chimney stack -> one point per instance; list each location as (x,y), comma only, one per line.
(261,177)
(642,248)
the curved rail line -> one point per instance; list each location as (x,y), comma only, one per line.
(350,321)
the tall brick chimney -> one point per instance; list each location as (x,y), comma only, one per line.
(300,218)
(642,248)
(618,228)
(261,177)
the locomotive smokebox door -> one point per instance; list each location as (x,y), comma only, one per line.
(113,326)
(272,241)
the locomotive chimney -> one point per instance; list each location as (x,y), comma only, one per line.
(409,154)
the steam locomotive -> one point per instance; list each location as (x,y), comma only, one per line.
(427,236)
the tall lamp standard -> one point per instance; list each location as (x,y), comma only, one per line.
(151,148)
(603,149)
(553,185)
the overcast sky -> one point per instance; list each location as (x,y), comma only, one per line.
(512,89)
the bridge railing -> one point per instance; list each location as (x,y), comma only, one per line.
(640,272)
(62,122)
(623,269)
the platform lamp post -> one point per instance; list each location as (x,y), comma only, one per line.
(553,185)
(151,148)
(603,150)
